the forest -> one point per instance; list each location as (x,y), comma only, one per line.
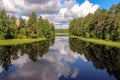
(33,28)
(103,24)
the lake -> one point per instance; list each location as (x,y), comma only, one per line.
(62,58)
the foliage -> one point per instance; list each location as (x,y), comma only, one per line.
(45,28)
(103,24)
(34,28)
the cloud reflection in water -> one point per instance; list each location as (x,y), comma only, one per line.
(49,67)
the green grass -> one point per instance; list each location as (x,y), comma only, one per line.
(98,41)
(61,34)
(19,41)
(61,30)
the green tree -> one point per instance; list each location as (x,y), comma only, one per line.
(5,26)
(32,26)
(40,27)
(45,28)
(22,22)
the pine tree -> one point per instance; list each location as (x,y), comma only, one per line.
(32,26)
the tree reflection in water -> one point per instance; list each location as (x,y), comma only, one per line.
(103,57)
(33,50)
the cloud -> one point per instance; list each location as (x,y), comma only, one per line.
(69,3)
(1,5)
(59,12)
(71,9)
(25,17)
(37,1)
(10,6)
(41,7)
(75,10)
(25,7)
(41,70)
(75,73)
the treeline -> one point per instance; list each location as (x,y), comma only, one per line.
(11,28)
(103,24)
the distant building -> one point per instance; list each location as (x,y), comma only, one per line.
(17,22)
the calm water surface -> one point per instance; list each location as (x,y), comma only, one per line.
(62,59)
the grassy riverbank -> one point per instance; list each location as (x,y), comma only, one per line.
(98,41)
(61,30)
(19,41)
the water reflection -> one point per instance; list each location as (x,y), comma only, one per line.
(47,61)
(33,50)
(48,67)
(102,57)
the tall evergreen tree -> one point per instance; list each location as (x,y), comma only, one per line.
(32,26)
(5,26)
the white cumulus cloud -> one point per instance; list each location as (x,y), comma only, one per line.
(71,9)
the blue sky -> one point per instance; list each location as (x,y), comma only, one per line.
(103,3)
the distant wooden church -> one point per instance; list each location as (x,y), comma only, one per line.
(18,23)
